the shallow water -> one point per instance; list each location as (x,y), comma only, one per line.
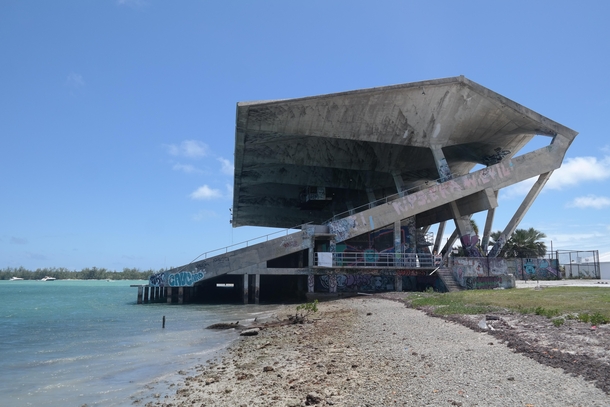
(69,342)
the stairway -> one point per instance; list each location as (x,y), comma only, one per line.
(449,281)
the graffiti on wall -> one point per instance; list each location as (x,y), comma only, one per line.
(356,282)
(537,269)
(482,283)
(470,243)
(341,228)
(181,279)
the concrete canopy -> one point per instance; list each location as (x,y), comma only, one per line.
(307,159)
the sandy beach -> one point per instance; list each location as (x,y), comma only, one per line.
(373,351)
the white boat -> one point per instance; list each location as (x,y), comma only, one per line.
(47,278)
(15,278)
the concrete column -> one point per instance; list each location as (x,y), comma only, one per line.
(257,286)
(442,167)
(140,290)
(397,283)
(311,283)
(332,283)
(518,216)
(245,289)
(310,255)
(146,294)
(180,295)
(397,244)
(169,295)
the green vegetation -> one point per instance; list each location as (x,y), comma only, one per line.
(522,244)
(304,310)
(61,273)
(587,304)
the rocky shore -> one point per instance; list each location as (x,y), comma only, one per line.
(372,351)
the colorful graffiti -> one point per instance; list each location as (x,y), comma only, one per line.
(341,228)
(482,283)
(470,243)
(181,279)
(537,269)
(355,282)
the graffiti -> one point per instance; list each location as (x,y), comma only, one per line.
(482,283)
(185,278)
(341,228)
(470,245)
(497,157)
(157,280)
(356,282)
(444,171)
(288,242)
(332,283)
(311,283)
(537,269)
(411,272)
(498,246)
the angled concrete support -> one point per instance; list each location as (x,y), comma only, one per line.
(400,185)
(444,171)
(449,245)
(488,225)
(518,216)
(468,237)
(439,237)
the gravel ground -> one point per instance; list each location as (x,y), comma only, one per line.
(369,351)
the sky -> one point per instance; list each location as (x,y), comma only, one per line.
(117,117)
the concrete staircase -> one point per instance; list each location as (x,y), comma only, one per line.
(447,277)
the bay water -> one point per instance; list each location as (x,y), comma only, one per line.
(72,342)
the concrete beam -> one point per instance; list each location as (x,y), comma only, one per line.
(518,216)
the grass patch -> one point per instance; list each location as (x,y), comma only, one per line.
(588,304)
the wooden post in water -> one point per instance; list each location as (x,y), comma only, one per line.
(163,321)
(146,294)
(140,295)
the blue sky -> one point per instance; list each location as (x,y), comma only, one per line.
(117,118)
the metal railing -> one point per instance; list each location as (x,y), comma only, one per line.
(244,244)
(376,259)
(388,198)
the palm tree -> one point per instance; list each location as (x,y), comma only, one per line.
(522,244)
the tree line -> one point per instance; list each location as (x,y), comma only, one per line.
(62,273)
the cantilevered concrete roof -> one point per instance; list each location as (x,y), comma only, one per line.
(307,159)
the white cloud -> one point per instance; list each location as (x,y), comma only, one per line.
(579,169)
(589,201)
(572,172)
(227,166)
(75,80)
(206,193)
(187,168)
(189,148)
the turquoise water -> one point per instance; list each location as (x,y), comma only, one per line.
(69,343)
